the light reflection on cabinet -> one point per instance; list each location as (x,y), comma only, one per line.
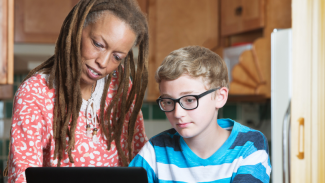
(39,21)
(6,48)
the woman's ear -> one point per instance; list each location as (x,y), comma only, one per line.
(221,98)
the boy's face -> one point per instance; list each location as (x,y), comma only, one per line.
(195,122)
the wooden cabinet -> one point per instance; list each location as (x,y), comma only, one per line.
(238,16)
(175,24)
(6,48)
(39,21)
(252,75)
(307,152)
(143,6)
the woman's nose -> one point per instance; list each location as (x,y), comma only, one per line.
(103,59)
(179,111)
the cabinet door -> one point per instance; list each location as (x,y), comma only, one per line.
(143,6)
(238,16)
(178,23)
(6,48)
(308,92)
(6,42)
(39,21)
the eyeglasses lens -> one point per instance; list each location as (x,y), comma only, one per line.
(166,104)
(187,102)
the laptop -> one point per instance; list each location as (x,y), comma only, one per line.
(86,174)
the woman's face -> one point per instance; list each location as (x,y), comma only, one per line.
(104,44)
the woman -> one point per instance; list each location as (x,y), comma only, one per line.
(79,108)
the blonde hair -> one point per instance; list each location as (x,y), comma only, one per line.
(195,61)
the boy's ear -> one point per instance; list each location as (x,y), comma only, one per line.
(221,98)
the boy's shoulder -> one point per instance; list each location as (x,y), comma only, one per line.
(168,138)
(243,136)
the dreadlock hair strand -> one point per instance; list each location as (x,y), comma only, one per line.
(143,64)
(121,119)
(105,125)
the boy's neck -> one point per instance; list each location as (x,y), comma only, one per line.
(205,145)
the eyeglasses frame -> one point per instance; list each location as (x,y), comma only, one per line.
(179,99)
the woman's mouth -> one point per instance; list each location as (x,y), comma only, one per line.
(92,73)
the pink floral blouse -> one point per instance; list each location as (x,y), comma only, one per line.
(32,143)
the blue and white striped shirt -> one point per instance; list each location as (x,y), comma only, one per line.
(242,158)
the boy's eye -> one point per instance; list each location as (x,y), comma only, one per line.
(189,102)
(189,99)
(167,102)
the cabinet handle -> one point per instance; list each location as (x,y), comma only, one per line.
(238,10)
(301,153)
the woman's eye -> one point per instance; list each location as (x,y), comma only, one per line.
(97,44)
(117,58)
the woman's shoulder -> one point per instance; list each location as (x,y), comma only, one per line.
(39,78)
(36,84)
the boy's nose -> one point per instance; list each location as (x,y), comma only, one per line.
(179,111)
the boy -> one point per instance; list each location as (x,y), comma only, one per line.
(193,83)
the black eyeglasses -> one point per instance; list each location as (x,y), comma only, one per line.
(187,102)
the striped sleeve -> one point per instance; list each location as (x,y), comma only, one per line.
(255,164)
(146,158)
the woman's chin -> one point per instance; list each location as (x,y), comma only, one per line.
(86,81)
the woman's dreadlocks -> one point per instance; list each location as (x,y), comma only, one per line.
(64,69)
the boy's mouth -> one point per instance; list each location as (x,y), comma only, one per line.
(183,125)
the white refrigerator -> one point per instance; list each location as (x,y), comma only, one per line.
(281,52)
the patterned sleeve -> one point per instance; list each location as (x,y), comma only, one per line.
(28,130)
(146,159)
(255,165)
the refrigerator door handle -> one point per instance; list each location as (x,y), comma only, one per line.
(286,145)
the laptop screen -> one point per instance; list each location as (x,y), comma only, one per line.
(86,174)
